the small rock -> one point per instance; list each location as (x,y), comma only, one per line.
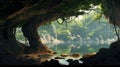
(45,56)
(88,55)
(59,58)
(73,62)
(51,62)
(64,55)
(76,55)
(55,53)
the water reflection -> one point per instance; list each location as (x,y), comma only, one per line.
(83,46)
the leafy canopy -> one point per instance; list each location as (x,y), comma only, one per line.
(65,8)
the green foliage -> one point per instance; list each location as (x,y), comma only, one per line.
(73,7)
(60,21)
(98,16)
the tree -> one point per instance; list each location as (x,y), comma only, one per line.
(31,14)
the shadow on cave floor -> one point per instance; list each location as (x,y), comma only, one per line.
(105,56)
(39,59)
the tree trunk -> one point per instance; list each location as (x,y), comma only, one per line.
(30,32)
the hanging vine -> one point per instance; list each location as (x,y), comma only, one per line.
(117,32)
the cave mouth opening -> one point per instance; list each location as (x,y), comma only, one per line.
(20,37)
